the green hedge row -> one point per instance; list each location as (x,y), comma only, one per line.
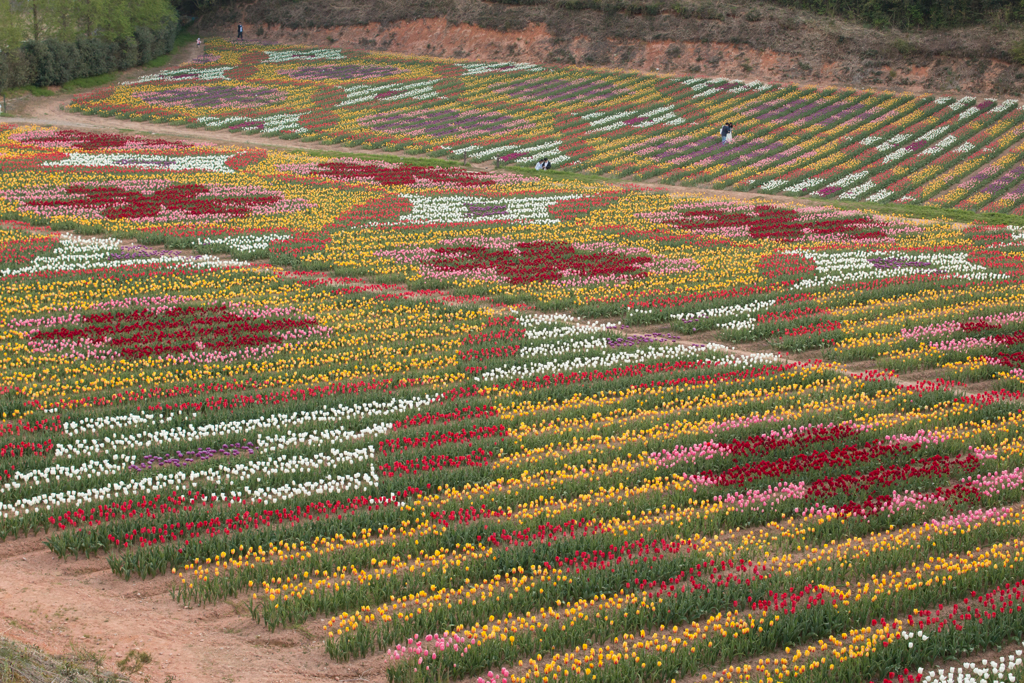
(55,62)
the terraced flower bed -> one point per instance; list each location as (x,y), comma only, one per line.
(460,419)
(845,144)
(914,295)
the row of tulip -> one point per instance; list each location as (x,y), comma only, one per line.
(761,625)
(415,462)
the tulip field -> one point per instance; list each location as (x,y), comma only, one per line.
(498,428)
(911,295)
(827,143)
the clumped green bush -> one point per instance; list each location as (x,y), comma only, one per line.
(53,43)
(55,62)
(1017,53)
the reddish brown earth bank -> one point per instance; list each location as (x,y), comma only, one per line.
(746,42)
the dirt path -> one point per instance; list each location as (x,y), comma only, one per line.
(42,106)
(51,111)
(47,111)
(80,606)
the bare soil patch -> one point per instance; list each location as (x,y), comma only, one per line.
(69,608)
(749,40)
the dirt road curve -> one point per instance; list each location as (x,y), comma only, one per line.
(49,111)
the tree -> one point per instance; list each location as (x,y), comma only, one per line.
(120,18)
(11,27)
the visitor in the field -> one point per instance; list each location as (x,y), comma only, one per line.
(547,165)
(727,133)
(539,166)
(240,32)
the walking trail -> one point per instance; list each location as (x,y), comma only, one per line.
(51,111)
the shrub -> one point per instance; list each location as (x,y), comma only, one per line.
(1017,53)
(55,62)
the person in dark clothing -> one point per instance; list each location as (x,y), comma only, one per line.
(240,32)
(547,165)
(727,133)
